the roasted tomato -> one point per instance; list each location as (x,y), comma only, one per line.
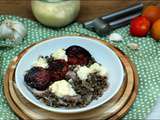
(77,55)
(58,69)
(37,78)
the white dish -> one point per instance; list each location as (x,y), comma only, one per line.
(99,51)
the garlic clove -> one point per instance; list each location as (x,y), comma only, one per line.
(17,37)
(115,37)
(5,31)
(8,23)
(19,27)
(133,46)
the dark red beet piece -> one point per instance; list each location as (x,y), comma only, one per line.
(78,55)
(37,78)
(58,69)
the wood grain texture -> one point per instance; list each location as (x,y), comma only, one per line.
(103,112)
(12,104)
(89,8)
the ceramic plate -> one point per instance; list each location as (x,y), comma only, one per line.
(98,50)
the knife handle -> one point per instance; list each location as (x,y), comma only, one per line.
(103,28)
(103,25)
(123,21)
(123,13)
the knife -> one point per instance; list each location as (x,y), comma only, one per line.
(105,24)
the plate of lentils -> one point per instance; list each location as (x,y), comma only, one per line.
(68,78)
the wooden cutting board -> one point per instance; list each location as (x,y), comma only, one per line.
(113,109)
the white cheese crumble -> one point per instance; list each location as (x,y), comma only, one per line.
(99,69)
(41,62)
(62,88)
(60,54)
(84,71)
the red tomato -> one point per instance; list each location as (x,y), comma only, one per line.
(140,26)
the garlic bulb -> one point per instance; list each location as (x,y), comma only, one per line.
(12,30)
(133,46)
